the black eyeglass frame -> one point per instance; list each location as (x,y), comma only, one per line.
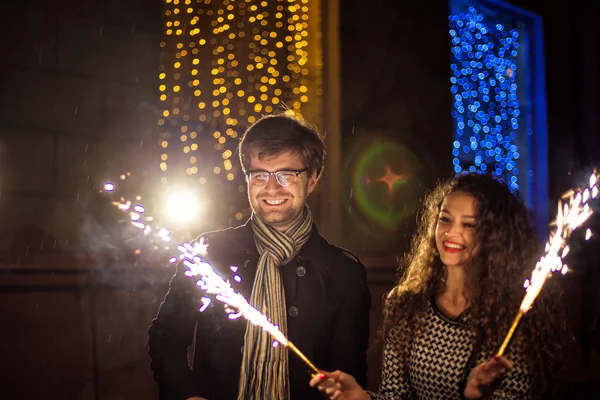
(277,176)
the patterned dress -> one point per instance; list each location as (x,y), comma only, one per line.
(439,363)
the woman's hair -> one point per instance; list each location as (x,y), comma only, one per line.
(494,279)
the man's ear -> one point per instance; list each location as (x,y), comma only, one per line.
(312,182)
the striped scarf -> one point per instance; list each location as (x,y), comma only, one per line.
(264,374)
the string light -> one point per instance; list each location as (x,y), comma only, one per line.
(484,89)
(224,64)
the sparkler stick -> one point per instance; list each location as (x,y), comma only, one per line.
(573,211)
(510,333)
(314,370)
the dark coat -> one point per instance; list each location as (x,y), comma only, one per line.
(328,320)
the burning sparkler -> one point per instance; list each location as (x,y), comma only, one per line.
(208,280)
(213,283)
(573,211)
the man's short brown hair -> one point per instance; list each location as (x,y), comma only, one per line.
(272,135)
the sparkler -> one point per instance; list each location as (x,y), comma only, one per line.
(573,211)
(209,281)
(141,220)
(212,283)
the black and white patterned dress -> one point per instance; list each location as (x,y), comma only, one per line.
(439,362)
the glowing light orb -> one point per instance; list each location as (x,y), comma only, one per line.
(182,206)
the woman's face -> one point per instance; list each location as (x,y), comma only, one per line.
(456,228)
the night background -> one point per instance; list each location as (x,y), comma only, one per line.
(153,96)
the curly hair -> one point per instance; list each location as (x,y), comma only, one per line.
(494,279)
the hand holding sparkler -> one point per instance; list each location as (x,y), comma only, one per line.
(573,211)
(338,385)
(485,377)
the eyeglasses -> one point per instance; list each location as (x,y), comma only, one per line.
(284,178)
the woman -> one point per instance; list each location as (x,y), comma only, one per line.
(459,293)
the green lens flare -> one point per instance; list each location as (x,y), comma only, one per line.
(387,181)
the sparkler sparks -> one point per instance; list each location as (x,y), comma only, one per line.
(138,217)
(208,280)
(236,305)
(573,211)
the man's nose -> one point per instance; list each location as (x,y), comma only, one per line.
(272,184)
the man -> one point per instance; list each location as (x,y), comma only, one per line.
(315,292)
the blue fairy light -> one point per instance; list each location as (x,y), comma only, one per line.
(484,88)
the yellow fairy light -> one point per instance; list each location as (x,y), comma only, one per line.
(224,64)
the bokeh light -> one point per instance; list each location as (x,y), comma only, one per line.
(182,207)
(485,93)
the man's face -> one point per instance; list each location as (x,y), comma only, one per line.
(276,205)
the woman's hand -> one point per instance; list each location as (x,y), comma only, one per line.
(484,378)
(338,385)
